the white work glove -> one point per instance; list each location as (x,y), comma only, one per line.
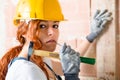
(98,24)
(70,60)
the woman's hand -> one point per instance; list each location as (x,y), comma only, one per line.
(70,60)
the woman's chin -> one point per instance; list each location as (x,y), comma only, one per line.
(51,48)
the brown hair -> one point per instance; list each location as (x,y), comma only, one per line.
(14,52)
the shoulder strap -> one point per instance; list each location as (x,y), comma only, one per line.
(57,76)
(13,60)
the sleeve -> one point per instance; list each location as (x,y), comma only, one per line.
(25,70)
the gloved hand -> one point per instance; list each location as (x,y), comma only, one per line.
(98,23)
(70,60)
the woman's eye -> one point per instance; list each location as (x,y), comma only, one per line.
(55,26)
(42,26)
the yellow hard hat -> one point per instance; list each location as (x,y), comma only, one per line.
(38,9)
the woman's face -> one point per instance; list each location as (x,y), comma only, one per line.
(48,34)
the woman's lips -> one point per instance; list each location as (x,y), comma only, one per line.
(51,41)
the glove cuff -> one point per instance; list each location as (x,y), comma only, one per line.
(71,77)
(91,37)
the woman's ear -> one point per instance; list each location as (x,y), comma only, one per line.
(24,36)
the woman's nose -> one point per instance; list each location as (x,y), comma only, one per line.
(50,31)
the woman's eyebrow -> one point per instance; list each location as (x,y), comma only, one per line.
(56,21)
(47,21)
(43,21)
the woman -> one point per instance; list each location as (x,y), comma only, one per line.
(38,24)
(40,28)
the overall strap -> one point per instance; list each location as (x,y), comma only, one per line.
(16,58)
(57,76)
